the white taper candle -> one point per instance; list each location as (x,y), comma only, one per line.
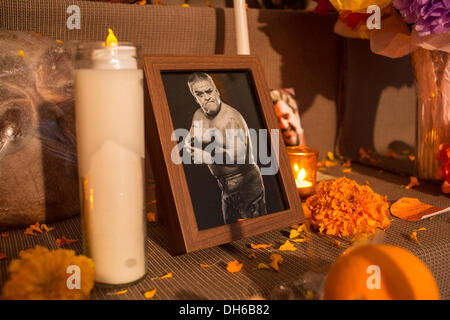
(240,24)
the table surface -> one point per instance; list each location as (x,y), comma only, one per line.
(310,261)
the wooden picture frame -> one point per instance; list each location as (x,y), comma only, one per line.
(175,206)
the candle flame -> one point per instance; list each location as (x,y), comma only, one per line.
(295,167)
(111,40)
(301,175)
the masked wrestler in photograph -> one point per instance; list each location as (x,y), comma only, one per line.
(238,176)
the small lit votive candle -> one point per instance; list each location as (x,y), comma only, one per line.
(303,162)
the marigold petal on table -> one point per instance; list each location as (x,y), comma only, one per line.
(276,260)
(260,246)
(150,294)
(287,246)
(262,266)
(234,266)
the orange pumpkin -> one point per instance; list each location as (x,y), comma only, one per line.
(379,272)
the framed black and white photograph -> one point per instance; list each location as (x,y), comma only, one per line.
(217,155)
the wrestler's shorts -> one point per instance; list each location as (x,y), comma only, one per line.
(243,195)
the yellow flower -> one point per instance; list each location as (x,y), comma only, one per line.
(358,5)
(43,274)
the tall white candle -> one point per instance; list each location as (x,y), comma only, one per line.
(111,150)
(241,27)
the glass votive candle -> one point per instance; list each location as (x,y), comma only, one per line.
(303,161)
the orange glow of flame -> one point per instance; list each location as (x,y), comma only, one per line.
(300,179)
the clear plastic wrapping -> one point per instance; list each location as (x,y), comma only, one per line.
(38,163)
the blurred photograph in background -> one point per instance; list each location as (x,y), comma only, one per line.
(286,109)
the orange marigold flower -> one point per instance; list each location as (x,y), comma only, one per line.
(41,274)
(341,207)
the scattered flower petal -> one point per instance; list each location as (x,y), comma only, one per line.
(276,259)
(64,241)
(330,156)
(263,266)
(309,295)
(234,266)
(3,256)
(348,170)
(251,256)
(293,234)
(150,294)
(260,246)
(46,228)
(151,216)
(121,292)
(347,163)
(287,246)
(21,53)
(29,231)
(5,235)
(413,236)
(209,265)
(36,227)
(303,239)
(392,154)
(413,182)
(167,276)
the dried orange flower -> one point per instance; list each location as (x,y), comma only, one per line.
(41,274)
(276,260)
(341,207)
(234,266)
